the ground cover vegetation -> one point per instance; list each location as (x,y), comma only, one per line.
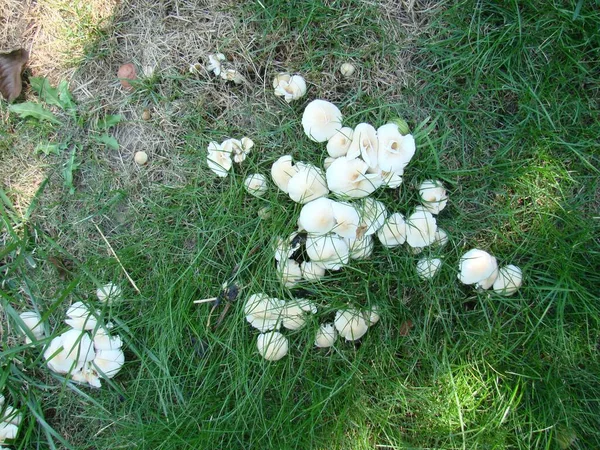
(502,98)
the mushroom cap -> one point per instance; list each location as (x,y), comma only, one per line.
(8,431)
(339,143)
(428,267)
(393,231)
(80,317)
(509,280)
(326,335)
(109,362)
(281,77)
(327,162)
(285,247)
(87,375)
(311,271)
(433,196)
(420,228)
(104,341)
(351,324)
(140,158)
(218,159)
(33,321)
(364,144)
(78,345)
(362,247)
(214,63)
(441,237)
(488,282)
(317,216)
(109,293)
(256,184)
(346,218)
(282,172)
(347,69)
(395,150)
(289,272)
(295,312)
(329,251)
(11,415)
(476,265)
(372,315)
(321,120)
(391,180)
(263,312)
(290,89)
(307,185)
(272,345)
(349,178)
(372,215)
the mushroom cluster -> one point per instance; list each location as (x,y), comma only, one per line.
(218,65)
(221,156)
(10,420)
(477,267)
(290,87)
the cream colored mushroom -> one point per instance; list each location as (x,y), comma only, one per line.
(346,219)
(289,87)
(361,247)
(364,144)
(109,293)
(395,150)
(311,271)
(321,120)
(329,251)
(326,335)
(218,159)
(282,172)
(264,312)
(509,280)
(349,178)
(289,272)
(393,231)
(272,346)
(256,184)
(307,185)
(476,265)
(372,216)
(109,362)
(317,216)
(351,324)
(428,267)
(339,143)
(33,322)
(347,69)
(80,317)
(433,196)
(420,228)
(295,313)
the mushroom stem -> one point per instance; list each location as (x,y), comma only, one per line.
(206,300)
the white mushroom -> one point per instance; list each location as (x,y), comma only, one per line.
(272,346)
(433,196)
(339,143)
(109,362)
(109,293)
(395,150)
(441,238)
(264,312)
(232,75)
(317,217)
(475,266)
(428,267)
(372,315)
(282,171)
(361,247)
(218,159)
(372,216)
(8,431)
(351,324)
(80,317)
(295,312)
(321,120)
(349,178)
(509,280)
(391,180)
(346,219)
(242,148)
(285,247)
(33,322)
(214,63)
(11,415)
(104,341)
(393,231)
(289,272)
(347,69)
(69,351)
(308,184)
(488,282)
(364,144)
(87,375)
(256,184)
(420,228)
(329,251)
(311,272)
(290,88)
(327,162)
(326,335)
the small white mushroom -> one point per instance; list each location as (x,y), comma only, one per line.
(428,267)
(475,266)
(289,272)
(361,247)
(311,272)
(317,216)
(295,312)
(329,251)
(346,219)
(289,87)
(372,216)
(433,196)
(351,324)
(372,315)
(33,321)
(104,341)
(256,184)
(364,144)
(349,178)
(391,180)
(140,158)
(272,346)
(509,280)
(395,150)
(420,228)
(214,63)
(69,351)
(327,162)
(11,415)
(8,431)
(109,293)
(307,185)
(218,159)
(109,362)
(239,149)
(347,69)
(441,238)
(393,231)
(321,120)
(282,172)
(326,336)
(232,75)
(264,312)
(87,375)
(80,317)
(339,143)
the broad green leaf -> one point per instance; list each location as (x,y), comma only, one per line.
(65,98)
(110,120)
(49,147)
(46,92)
(107,140)
(35,110)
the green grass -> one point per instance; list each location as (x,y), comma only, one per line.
(504,105)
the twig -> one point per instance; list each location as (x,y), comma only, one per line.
(117,258)
(206,300)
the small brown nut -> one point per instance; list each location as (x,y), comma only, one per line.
(140,158)
(126,73)
(146,114)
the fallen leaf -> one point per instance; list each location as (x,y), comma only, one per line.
(406,327)
(11,67)
(126,73)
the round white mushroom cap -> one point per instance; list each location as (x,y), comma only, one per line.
(326,335)
(441,238)
(109,362)
(391,180)
(104,341)
(420,228)
(290,88)
(364,144)
(289,272)
(282,171)
(109,293)
(475,266)
(264,312)
(339,143)
(218,160)
(351,324)
(348,177)
(489,281)
(393,231)
(272,346)
(428,267)
(372,316)
(372,215)
(347,69)
(33,321)
(311,272)
(87,375)
(307,184)
(256,184)
(395,150)
(11,415)
(285,247)
(330,252)
(321,120)
(346,218)
(80,317)
(8,431)
(509,280)
(361,247)
(317,216)
(295,312)
(69,351)
(433,196)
